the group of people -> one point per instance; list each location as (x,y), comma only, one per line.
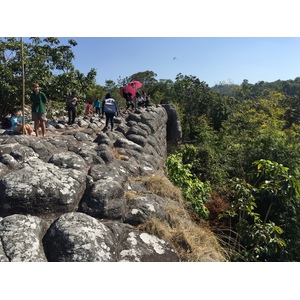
(72,102)
(109,108)
(143,100)
(39,104)
(92,108)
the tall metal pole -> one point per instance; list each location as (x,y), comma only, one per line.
(23,87)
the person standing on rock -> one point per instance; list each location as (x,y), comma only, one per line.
(71,105)
(38,109)
(129,102)
(110,108)
(97,105)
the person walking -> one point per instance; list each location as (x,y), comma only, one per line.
(71,105)
(129,102)
(38,109)
(110,108)
(97,105)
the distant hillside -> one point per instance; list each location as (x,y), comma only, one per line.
(289,87)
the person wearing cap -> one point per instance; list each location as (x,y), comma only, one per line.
(110,108)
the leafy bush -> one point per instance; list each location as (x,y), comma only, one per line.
(257,209)
(194,191)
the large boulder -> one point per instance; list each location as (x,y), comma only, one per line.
(21,238)
(82,238)
(41,188)
(75,195)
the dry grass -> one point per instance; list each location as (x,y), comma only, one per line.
(193,242)
(216,206)
(131,195)
(161,186)
(115,152)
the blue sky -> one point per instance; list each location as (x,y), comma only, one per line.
(216,41)
(211,59)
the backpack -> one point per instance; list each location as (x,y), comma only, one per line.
(6,123)
(110,106)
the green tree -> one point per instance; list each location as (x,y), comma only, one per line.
(162,90)
(147,78)
(110,85)
(194,99)
(191,95)
(258,208)
(46,62)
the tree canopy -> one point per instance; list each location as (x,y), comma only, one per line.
(47,62)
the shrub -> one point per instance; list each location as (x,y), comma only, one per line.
(194,191)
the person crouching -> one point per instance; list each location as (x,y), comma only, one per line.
(17,123)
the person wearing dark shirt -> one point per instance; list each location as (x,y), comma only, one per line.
(38,109)
(71,105)
(129,102)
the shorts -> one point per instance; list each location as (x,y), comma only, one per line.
(18,129)
(38,117)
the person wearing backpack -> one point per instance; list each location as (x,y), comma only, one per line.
(110,108)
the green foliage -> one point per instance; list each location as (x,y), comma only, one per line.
(147,78)
(255,211)
(96,91)
(250,123)
(45,62)
(194,191)
(254,130)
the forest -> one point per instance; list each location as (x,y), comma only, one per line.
(238,165)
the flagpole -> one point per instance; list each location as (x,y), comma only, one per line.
(23,87)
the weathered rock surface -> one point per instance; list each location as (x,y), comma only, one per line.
(21,238)
(81,238)
(63,197)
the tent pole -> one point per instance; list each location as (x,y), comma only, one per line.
(23,87)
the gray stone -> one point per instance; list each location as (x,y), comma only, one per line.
(66,197)
(21,239)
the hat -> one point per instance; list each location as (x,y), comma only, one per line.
(108,95)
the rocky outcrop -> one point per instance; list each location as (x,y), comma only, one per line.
(75,195)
